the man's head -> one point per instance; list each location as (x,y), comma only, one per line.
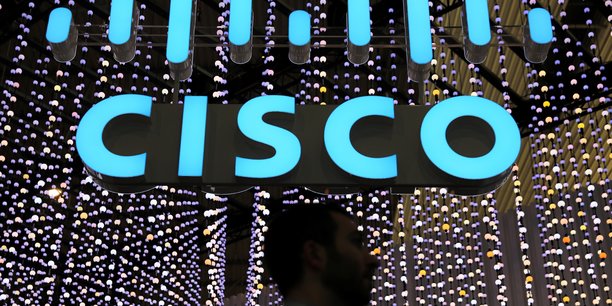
(320,242)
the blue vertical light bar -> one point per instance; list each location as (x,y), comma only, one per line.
(479,29)
(120,26)
(58,28)
(193,134)
(240,22)
(419,31)
(540,26)
(299,28)
(359,22)
(179,31)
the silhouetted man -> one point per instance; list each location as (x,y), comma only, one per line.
(316,256)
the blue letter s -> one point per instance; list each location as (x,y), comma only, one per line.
(286,144)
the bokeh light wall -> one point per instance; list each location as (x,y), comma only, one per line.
(543,238)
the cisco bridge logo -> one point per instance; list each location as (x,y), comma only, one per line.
(129,144)
(122,31)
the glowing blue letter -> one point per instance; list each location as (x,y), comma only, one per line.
(338,141)
(286,144)
(499,159)
(193,133)
(89,142)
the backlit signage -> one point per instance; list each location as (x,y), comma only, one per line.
(271,139)
(129,144)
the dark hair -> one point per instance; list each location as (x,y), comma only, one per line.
(287,234)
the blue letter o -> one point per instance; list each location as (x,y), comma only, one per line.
(499,159)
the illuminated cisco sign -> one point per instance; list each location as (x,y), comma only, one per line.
(464,143)
(129,144)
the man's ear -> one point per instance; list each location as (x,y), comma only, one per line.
(315,255)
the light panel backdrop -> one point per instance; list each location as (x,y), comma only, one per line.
(541,239)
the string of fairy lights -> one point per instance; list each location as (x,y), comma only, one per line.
(568,227)
(566,186)
(66,241)
(255,271)
(437,231)
(215,260)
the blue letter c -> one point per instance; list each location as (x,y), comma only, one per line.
(338,141)
(89,142)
